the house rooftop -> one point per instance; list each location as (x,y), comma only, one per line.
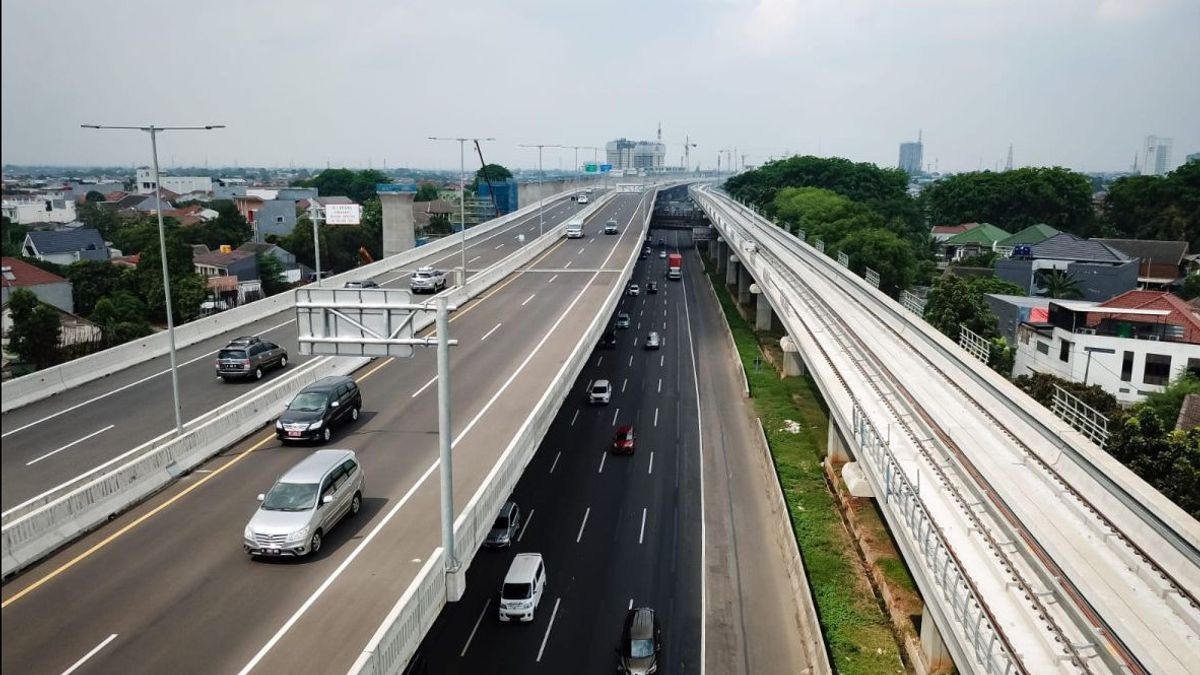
(1034,234)
(1064,246)
(984,233)
(16,273)
(66,241)
(218,259)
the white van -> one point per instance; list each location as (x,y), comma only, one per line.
(523,587)
(575,228)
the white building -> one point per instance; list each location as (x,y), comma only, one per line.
(626,154)
(1156,160)
(1130,346)
(30,209)
(177,184)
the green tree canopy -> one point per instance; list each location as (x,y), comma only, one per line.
(357,185)
(270,273)
(884,252)
(1156,207)
(229,227)
(1166,458)
(122,317)
(92,280)
(93,196)
(35,329)
(103,219)
(1059,285)
(861,182)
(1014,199)
(426,192)
(13,236)
(955,301)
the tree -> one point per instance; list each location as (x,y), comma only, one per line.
(229,227)
(188,289)
(861,182)
(1156,207)
(1167,459)
(493,172)
(92,280)
(270,273)
(1167,403)
(439,225)
(426,192)
(13,236)
(35,329)
(1014,199)
(357,185)
(884,252)
(1041,387)
(105,220)
(955,301)
(1059,285)
(93,196)
(372,227)
(1190,288)
(122,317)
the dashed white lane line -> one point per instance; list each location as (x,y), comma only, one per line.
(582,525)
(642,532)
(574,417)
(631,603)
(552,279)
(568,264)
(499,246)
(603,456)
(425,386)
(631,357)
(581,250)
(615,413)
(656,417)
(528,299)
(660,385)
(474,259)
(650,470)
(475,628)
(525,525)
(75,666)
(555,463)
(623,383)
(661,360)
(599,361)
(488,334)
(69,445)
(547,636)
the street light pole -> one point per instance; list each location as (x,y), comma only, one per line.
(462,194)
(541,180)
(162,246)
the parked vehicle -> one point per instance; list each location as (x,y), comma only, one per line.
(248,357)
(427,280)
(675,266)
(524,585)
(601,392)
(641,642)
(506,527)
(305,504)
(320,407)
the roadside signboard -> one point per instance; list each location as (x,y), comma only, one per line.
(343,214)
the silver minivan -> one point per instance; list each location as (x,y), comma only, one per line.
(304,504)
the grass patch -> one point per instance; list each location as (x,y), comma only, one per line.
(858,633)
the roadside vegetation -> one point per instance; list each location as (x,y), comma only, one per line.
(857,631)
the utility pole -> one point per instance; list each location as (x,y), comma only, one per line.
(541,179)
(462,193)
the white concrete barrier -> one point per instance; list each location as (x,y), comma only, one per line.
(402,630)
(50,381)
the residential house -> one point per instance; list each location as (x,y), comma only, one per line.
(66,246)
(228,188)
(32,208)
(231,273)
(293,271)
(248,206)
(80,190)
(1013,310)
(192,214)
(1162,265)
(296,193)
(1102,272)
(978,240)
(941,233)
(1130,345)
(1034,234)
(274,216)
(47,286)
(138,204)
(423,212)
(176,184)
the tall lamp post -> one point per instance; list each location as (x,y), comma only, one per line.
(462,191)
(595,156)
(541,178)
(162,244)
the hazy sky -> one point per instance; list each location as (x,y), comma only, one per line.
(1078,83)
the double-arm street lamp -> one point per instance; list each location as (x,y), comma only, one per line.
(541,179)
(462,191)
(162,243)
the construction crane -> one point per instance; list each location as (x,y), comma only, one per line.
(687,153)
(486,178)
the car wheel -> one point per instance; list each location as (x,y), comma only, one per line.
(314,544)
(354,414)
(355,504)
(327,434)
(283,361)
(258,373)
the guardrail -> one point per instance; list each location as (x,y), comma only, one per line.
(57,379)
(40,526)
(401,632)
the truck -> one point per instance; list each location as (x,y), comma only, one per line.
(674,266)
(575,228)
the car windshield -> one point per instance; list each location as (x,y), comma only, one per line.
(308,401)
(515,592)
(600,388)
(501,523)
(238,354)
(640,649)
(291,497)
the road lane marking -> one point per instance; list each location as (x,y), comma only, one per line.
(639,326)
(642,532)
(488,334)
(634,344)
(575,417)
(615,413)
(700,446)
(651,469)
(528,299)
(583,524)
(599,361)
(660,385)
(547,636)
(568,264)
(527,519)
(656,417)
(138,521)
(661,360)
(474,259)
(80,662)
(69,445)
(123,387)
(603,456)
(552,279)
(373,370)
(623,383)
(477,622)
(498,247)
(581,250)
(631,603)
(425,386)
(664,325)
(631,355)
(555,463)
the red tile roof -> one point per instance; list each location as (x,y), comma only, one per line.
(1181,313)
(25,274)
(953,229)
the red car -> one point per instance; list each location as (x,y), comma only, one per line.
(623,441)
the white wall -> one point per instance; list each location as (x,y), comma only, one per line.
(177,184)
(27,211)
(1105,369)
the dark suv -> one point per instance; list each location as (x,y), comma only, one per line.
(641,642)
(318,408)
(249,356)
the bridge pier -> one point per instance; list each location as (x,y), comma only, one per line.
(836,450)
(744,282)
(764,316)
(731,270)
(719,255)
(399,230)
(933,648)
(793,365)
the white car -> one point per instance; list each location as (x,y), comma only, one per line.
(427,280)
(634,289)
(601,392)
(582,199)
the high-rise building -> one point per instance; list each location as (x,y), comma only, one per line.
(911,154)
(626,154)
(1157,157)
(1194,157)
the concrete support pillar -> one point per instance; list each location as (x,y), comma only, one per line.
(836,450)
(745,281)
(731,270)
(456,584)
(933,648)
(856,480)
(719,254)
(764,317)
(793,365)
(399,231)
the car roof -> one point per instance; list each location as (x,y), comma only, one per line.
(621,431)
(523,567)
(313,468)
(327,383)
(600,383)
(245,340)
(639,623)
(653,333)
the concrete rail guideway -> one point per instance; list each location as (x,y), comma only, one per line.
(1035,551)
